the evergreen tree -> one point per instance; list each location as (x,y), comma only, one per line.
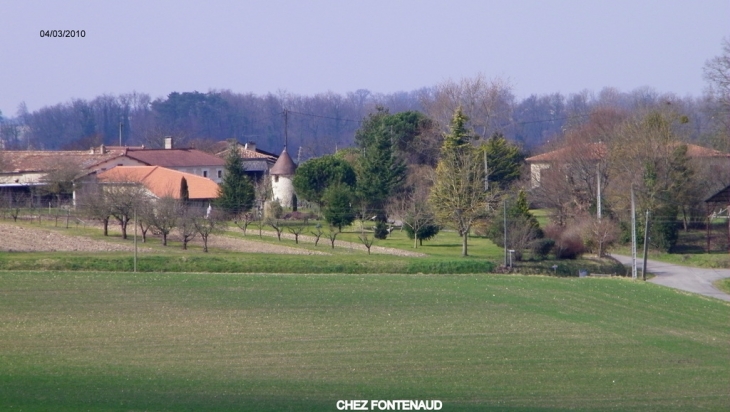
(504,161)
(236,193)
(184,191)
(314,176)
(458,197)
(379,171)
(337,210)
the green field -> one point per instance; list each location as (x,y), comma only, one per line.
(121,341)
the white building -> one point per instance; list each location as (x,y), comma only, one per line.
(282,174)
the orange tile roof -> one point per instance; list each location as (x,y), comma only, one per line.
(161,181)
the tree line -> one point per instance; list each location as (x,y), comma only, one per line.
(322,123)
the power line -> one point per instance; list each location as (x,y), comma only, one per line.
(324,117)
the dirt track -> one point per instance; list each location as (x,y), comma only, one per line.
(17,238)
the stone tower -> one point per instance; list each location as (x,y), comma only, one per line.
(282,174)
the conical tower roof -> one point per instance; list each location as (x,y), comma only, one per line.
(284,165)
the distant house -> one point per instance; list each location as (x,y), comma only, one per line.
(162,182)
(25,170)
(595,152)
(591,152)
(21,171)
(188,160)
(256,162)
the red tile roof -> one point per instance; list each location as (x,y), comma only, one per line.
(596,151)
(43,161)
(591,151)
(161,181)
(174,157)
(224,147)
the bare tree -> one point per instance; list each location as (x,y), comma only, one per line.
(123,199)
(413,210)
(94,201)
(717,74)
(186,226)
(332,235)
(276,225)
(297,230)
(366,240)
(487,103)
(600,234)
(206,224)
(13,202)
(243,220)
(317,234)
(59,182)
(164,216)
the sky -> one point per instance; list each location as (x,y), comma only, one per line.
(308,47)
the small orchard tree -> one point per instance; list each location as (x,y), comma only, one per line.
(206,224)
(164,216)
(186,225)
(123,200)
(95,203)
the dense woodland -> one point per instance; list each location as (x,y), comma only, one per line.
(323,123)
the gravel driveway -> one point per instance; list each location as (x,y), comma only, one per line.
(690,279)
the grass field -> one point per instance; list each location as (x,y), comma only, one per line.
(176,342)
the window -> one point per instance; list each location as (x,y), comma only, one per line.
(205,173)
(220,174)
(276,178)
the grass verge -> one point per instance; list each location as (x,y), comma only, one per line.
(242,263)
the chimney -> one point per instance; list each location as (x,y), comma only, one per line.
(168,142)
(250,146)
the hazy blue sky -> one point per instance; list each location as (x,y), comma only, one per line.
(309,47)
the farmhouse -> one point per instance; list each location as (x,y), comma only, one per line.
(187,160)
(256,162)
(595,152)
(25,172)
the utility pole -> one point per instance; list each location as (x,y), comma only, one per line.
(135,240)
(633,235)
(505,233)
(286,128)
(121,124)
(598,197)
(486,173)
(646,245)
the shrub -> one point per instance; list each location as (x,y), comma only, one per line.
(540,248)
(380,230)
(273,210)
(568,243)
